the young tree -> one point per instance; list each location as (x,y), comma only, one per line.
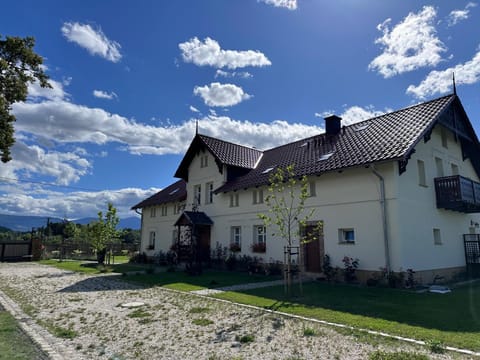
(19,66)
(286,198)
(104,232)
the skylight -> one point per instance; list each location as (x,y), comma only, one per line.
(361,127)
(173,191)
(267,170)
(325,156)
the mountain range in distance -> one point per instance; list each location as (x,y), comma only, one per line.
(26,223)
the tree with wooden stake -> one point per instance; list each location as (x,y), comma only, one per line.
(286,198)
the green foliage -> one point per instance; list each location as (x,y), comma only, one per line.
(308,331)
(286,203)
(401,355)
(436,346)
(245,339)
(104,230)
(202,322)
(19,66)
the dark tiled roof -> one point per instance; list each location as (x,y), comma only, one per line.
(232,154)
(173,193)
(390,136)
(194,218)
(225,153)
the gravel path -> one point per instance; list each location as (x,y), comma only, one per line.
(85,314)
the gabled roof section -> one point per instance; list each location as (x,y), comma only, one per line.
(193,218)
(224,152)
(173,193)
(391,136)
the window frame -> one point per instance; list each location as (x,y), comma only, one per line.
(422,173)
(344,237)
(209,192)
(151,240)
(197,194)
(236,237)
(153,212)
(262,236)
(234,199)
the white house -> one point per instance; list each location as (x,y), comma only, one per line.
(396,191)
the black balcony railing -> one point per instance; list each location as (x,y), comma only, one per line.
(458,193)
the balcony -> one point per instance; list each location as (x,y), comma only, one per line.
(458,193)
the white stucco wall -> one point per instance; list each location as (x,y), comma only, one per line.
(418,214)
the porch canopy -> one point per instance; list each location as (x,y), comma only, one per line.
(193,218)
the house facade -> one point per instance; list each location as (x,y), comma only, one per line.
(397,191)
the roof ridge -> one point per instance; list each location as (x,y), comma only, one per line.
(231,143)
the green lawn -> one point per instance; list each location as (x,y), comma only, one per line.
(453,319)
(180,280)
(90,267)
(14,344)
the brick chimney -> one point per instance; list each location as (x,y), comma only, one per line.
(332,124)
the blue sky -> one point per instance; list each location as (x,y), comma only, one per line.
(131,79)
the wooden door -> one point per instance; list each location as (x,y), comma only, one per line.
(314,248)
(203,242)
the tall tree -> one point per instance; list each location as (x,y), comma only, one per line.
(286,198)
(19,66)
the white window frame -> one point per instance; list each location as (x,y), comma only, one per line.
(204,161)
(258,196)
(455,169)
(444,137)
(164,210)
(346,236)
(312,188)
(153,212)
(209,193)
(260,234)
(439,167)
(234,199)
(236,235)
(151,240)
(197,194)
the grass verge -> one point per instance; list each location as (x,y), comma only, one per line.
(14,344)
(451,319)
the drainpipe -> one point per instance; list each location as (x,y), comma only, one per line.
(383,205)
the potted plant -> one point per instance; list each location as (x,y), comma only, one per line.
(258,247)
(234,248)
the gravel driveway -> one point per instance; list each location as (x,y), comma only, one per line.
(86,314)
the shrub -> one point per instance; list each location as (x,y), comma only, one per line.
(329,271)
(234,248)
(245,339)
(410,282)
(350,266)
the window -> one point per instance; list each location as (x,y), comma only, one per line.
(260,234)
(346,236)
(455,170)
(421,173)
(176,208)
(197,194)
(209,193)
(439,166)
(203,161)
(151,241)
(312,188)
(234,200)
(437,237)
(174,236)
(258,196)
(153,212)
(444,135)
(164,210)
(236,235)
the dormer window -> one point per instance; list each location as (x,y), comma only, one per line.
(204,161)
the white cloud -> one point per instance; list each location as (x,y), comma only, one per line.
(217,94)
(440,82)
(79,204)
(232,74)
(354,114)
(289,4)
(64,122)
(65,167)
(410,45)
(209,53)
(104,94)
(94,41)
(194,109)
(56,92)
(456,16)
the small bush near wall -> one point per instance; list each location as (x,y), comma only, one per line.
(258,248)
(350,265)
